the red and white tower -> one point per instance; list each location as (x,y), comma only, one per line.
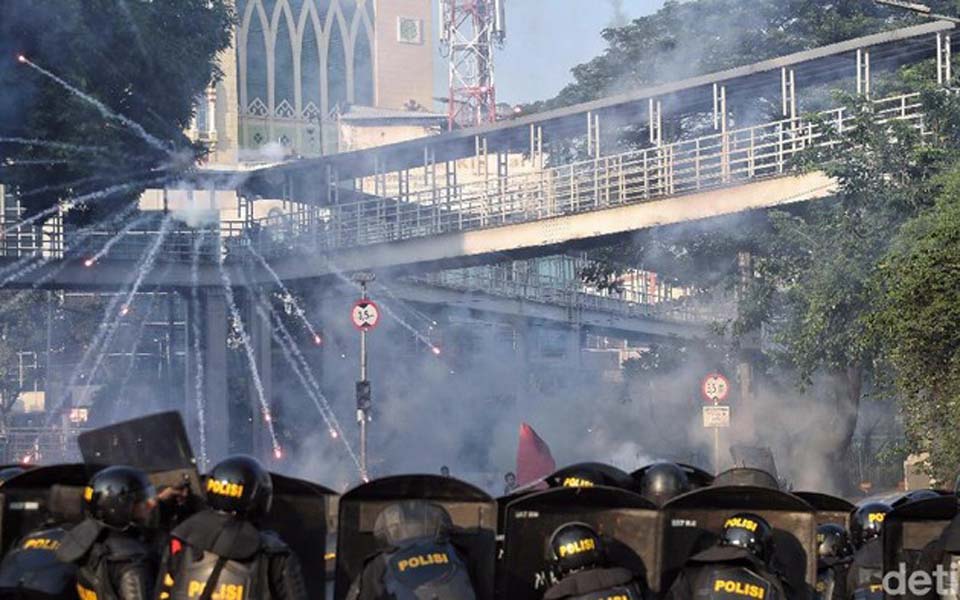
(470,29)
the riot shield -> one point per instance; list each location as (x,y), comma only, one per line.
(628,523)
(830,509)
(909,528)
(591,474)
(754,457)
(697,477)
(472,512)
(156,444)
(300,513)
(693,521)
(39,496)
(747,476)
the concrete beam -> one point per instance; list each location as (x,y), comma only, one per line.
(644,329)
(550,236)
(458,249)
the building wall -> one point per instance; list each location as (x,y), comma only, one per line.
(301,62)
(298,61)
(404,61)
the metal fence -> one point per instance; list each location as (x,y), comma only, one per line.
(39,445)
(569,294)
(708,162)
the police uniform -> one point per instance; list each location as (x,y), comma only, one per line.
(417,559)
(113,560)
(944,552)
(832,578)
(220,553)
(865,577)
(726,573)
(597,584)
(834,554)
(112,565)
(31,571)
(241,561)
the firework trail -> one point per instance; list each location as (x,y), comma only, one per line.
(296,306)
(197,352)
(251,358)
(104,111)
(302,370)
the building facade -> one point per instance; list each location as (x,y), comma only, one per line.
(297,65)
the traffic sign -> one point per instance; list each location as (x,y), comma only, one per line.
(716,416)
(715,388)
(365,315)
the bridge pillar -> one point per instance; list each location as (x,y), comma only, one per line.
(259,331)
(213,319)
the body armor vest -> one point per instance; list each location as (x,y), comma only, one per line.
(237,581)
(622,592)
(426,569)
(732,583)
(826,584)
(31,569)
(93,577)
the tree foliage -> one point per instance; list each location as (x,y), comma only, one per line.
(146,61)
(917,323)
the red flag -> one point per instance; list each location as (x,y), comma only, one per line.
(534,461)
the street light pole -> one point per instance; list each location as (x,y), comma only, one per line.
(920,9)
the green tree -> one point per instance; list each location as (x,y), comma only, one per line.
(146,61)
(917,324)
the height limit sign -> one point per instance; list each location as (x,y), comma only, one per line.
(365,315)
(715,389)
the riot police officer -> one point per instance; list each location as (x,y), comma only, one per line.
(221,553)
(578,558)
(662,481)
(114,562)
(865,577)
(417,557)
(31,571)
(834,554)
(736,567)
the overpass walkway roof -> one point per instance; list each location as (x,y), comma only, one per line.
(888,50)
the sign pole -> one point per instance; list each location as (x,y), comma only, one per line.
(715,389)
(361,408)
(365,316)
(716,450)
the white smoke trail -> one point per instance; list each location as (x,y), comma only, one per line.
(104,111)
(251,358)
(20,268)
(51,144)
(113,241)
(296,305)
(197,351)
(143,269)
(98,195)
(138,337)
(400,320)
(301,369)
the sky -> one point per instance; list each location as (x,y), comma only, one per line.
(547,38)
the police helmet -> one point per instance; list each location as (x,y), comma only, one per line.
(241,486)
(833,541)
(9,473)
(119,497)
(750,532)
(916,496)
(867,522)
(662,481)
(408,520)
(573,547)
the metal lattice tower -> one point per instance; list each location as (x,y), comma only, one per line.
(470,31)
